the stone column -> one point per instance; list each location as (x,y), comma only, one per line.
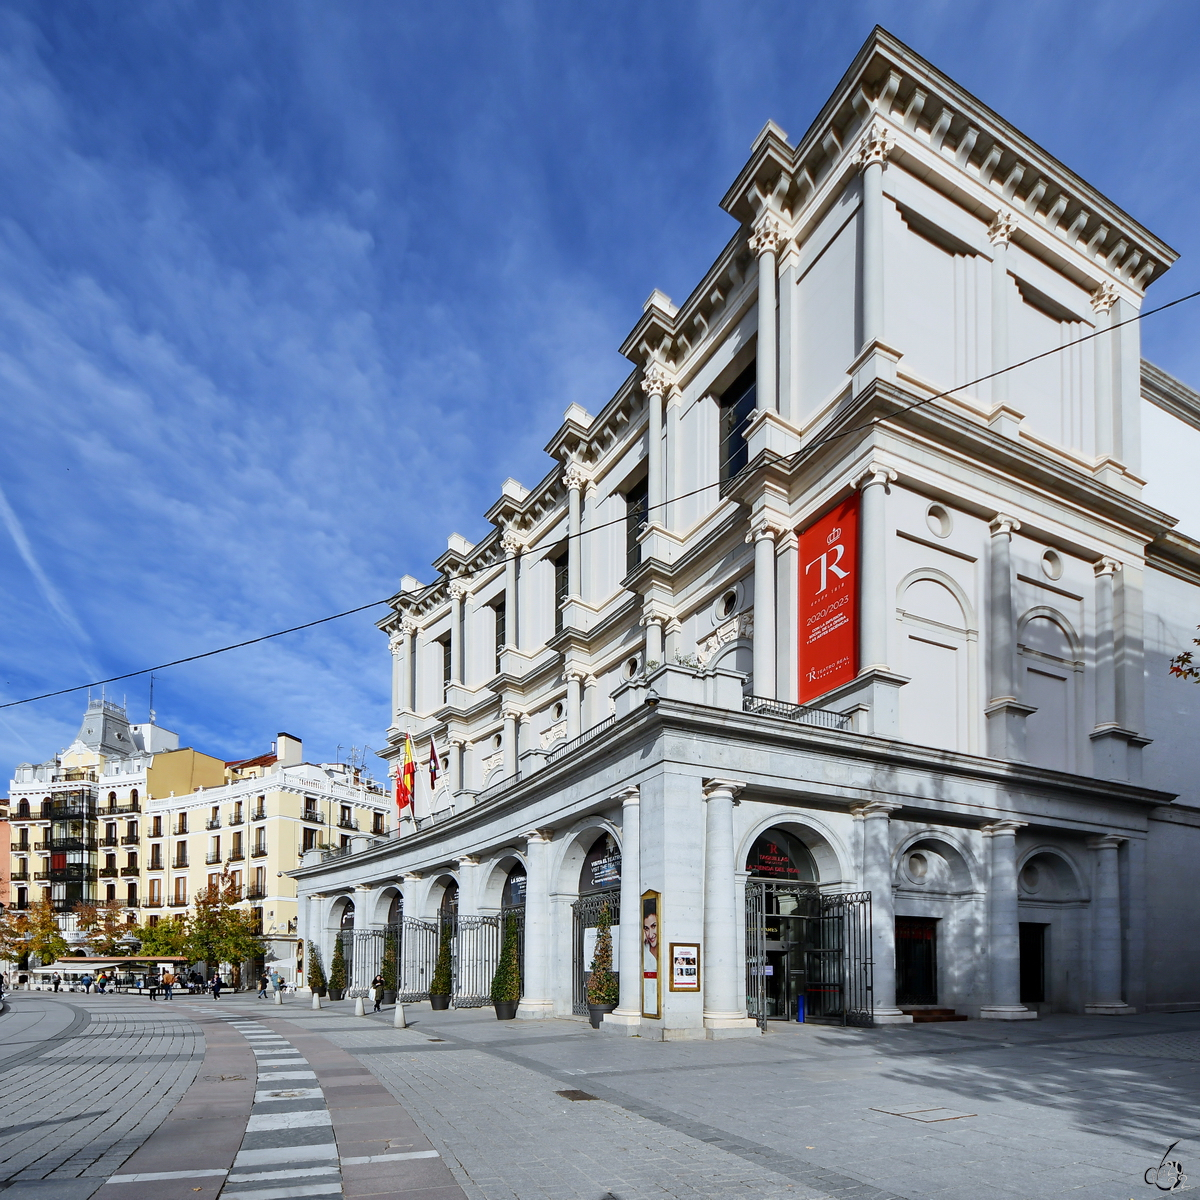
(408,690)
(1005,712)
(536,1002)
(655,382)
(652,622)
(762,534)
(1004,943)
(1000,234)
(574,703)
(574,477)
(873,590)
(513,546)
(872,154)
(396,646)
(1103,299)
(627,1017)
(720,966)
(764,243)
(590,715)
(671,640)
(455,765)
(1107,990)
(1106,667)
(359,959)
(671,484)
(511,749)
(468,885)
(458,590)
(876,833)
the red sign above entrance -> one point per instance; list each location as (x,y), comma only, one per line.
(829,601)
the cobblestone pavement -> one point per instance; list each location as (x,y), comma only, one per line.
(550,1110)
(1071,1106)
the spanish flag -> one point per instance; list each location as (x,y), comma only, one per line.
(406,776)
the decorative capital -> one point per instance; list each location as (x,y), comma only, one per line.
(656,380)
(1003,525)
(467,860)
(723,787)
(654,614)
(627,795)
(538,836)
(575,675)
(767,236)
(1005,828)
(767,525)
(458,742)
(575,478)
(1104,297)
(1003,226)
(412,877)
(876,472)
(511,543)
(458,590)
(512,713)
(1105,841)
(409,627)
(1106,566)
(875,147)
(873,808)
(396,643)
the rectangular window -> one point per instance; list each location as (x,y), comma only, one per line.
(501,610)
(181,823)
(156,857)
(156,827)
(308,840)
(737,407)
(561,575)
(445,645)
(637,502)
(377,823)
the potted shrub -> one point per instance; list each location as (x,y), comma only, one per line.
(337,972)
(316,973)
(388,968)
(602,988)
(506,983)
(439,985)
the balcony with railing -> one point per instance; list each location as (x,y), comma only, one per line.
(348,823)
(235,856)
(61,845)
(110,841)
(311,814)
(763,706)
(259,814)
(213,823)
(39,875)
(178,901)
(152,902)
(256,893)
(20,877)
(107,873)
(179,863)
(236,819)
(130,872)
(131,839)
(212,857)
(258,852)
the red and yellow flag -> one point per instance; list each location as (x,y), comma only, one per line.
(406,776)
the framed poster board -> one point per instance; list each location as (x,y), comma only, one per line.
(685,967)
(828,601)
(651,947)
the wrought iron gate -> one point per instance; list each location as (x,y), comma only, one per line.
(416,956)
(475,951)
(586,915)
(830,933)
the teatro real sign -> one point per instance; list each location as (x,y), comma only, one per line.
(828,591)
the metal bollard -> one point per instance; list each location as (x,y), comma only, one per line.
(279,997)
(359,1010)
(316,1002)
(398,1018)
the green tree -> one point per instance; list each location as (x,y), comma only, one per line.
(169,937)
(602,984)
(316,973)
(388,967)
(103,926)
(220,932)
(337,972)
(13,946)
(506,983)
(442,980)
(42,938)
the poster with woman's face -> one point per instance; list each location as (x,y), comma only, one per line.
(650,955)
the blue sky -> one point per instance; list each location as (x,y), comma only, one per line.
(286,291)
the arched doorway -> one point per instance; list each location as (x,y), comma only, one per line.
(808,953)
(512,911)
(599,892)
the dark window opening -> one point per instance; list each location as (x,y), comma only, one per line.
(501,610)
(916,960)
(637,506)
(1032,939)
(445,644)
(561,575)
(737,407)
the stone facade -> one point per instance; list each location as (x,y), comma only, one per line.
(1004,774)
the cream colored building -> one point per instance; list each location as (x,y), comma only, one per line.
(124,813)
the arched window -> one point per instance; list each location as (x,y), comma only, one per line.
(782,856)
(47,808)
(133,796)
(23,808)
(112,797)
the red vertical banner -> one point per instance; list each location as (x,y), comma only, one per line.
(828,592)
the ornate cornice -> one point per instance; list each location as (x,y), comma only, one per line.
(656,379)
(1104,297)
(768,235)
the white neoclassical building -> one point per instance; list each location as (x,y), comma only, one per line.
(828,660)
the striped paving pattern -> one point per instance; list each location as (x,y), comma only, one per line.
(288,1149)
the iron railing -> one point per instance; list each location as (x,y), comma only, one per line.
(586,912)
(566,748)
(762,706)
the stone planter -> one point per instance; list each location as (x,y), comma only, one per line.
(506,1010)
(596,1013)
(389,997)
(336,993)
(438,1003)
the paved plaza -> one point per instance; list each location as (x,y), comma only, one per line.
(119,1097)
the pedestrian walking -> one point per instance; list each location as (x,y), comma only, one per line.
(276,982)
(377,986)
(101,983)
(262,986)
(168,982)
(56,979)
(87,983)
(216,987)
